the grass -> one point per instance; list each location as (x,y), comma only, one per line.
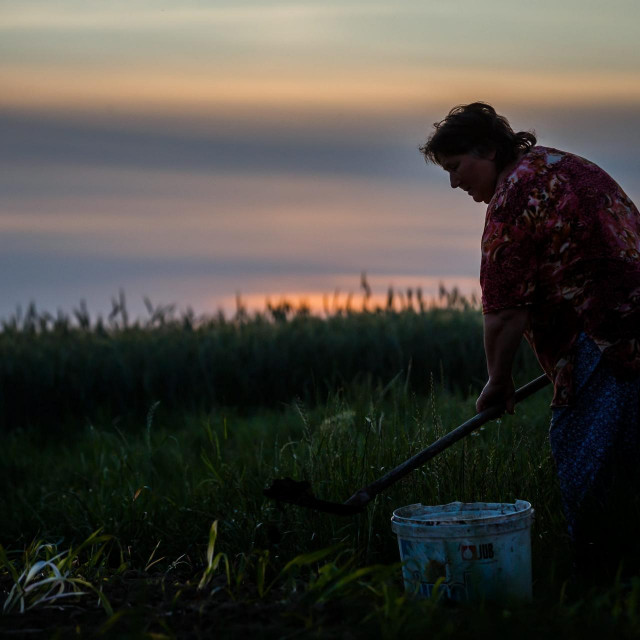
(189,364)
(155,526)
(165,528)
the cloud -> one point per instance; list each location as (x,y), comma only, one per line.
(366,92)
(152,15)
(37,140)
(346,220)
(575,35)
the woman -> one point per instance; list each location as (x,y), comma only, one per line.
(561,266)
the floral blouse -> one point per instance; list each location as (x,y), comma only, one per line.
(562,239)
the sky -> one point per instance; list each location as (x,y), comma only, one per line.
(189,151)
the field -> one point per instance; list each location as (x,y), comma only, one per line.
(141,514)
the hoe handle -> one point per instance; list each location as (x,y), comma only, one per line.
(366,494)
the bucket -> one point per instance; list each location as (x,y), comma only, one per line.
(472,551)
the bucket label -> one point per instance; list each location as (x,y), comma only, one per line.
(451,590)
(477,551)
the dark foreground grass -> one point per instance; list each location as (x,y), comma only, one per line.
(161,530)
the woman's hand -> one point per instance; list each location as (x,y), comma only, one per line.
(497,393)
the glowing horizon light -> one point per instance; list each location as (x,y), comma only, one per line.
(407,292)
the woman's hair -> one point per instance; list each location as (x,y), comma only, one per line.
(476,128)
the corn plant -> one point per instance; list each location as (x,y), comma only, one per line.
(213,561)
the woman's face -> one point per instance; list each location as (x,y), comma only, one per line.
(472,172)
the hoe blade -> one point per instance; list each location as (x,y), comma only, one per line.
(299,492)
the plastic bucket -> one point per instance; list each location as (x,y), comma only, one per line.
(472,551)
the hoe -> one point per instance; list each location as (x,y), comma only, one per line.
(299,492)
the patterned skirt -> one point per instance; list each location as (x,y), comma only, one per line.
(596,447)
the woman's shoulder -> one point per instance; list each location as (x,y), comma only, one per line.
(552,157)
(533,173)
(533,164)
(548,155)
(541,163)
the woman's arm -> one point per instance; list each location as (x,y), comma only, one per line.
(502,334)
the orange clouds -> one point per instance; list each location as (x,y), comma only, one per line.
(365,91)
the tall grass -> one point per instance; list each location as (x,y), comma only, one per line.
(69,367)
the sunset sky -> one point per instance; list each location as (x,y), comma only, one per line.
(186,151)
